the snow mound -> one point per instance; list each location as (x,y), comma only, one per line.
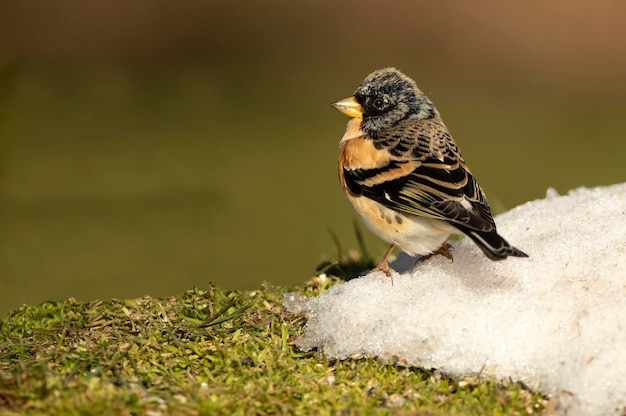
(555,320)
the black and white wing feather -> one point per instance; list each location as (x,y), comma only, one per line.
(427,177)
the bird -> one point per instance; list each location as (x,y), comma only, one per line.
(404,175)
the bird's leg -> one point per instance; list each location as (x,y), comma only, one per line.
(383,264)
(444,250)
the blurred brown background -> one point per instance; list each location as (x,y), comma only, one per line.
(150,146)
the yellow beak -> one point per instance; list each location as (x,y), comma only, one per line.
(350,107)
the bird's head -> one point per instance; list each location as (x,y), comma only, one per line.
(385,98)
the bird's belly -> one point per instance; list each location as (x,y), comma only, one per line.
(412,234)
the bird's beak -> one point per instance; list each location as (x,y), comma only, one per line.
(350,107)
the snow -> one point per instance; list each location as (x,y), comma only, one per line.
(555,321)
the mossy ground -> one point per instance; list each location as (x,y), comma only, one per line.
(212,352)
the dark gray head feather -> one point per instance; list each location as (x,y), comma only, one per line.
(389,97)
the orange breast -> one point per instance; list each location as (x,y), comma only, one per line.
(358,152)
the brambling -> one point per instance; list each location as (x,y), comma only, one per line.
(404,175)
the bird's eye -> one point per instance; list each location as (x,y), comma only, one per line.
(379,103)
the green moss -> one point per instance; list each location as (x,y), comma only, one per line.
(211,351)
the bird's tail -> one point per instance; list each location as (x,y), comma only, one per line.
(493,245)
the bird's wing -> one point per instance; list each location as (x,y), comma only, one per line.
(427,178)
(434,189)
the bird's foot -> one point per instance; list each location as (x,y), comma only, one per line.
(383,264)
(444,250)
(384,267)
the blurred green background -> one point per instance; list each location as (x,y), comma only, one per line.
(150,146)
